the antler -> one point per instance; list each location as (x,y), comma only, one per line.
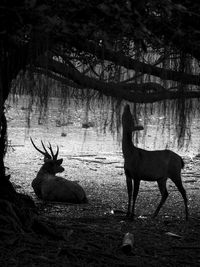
(46,153)
(51,150)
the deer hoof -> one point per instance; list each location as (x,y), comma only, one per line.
(130,216)
(154,215)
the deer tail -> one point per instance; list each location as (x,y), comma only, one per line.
(182,163)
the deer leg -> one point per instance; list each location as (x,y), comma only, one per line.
(135,193)
(181,189)
(164,194)
(129,190)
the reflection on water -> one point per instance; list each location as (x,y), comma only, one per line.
(89,130)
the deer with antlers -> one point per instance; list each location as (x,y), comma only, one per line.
(140,164)
(47,186)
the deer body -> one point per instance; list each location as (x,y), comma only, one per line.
(49,187)
(58,189)
(143,163)
(140,164)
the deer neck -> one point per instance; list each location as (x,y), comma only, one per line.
(127,143)
(44,172)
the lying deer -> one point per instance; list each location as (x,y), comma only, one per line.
(140,164)
(48,186)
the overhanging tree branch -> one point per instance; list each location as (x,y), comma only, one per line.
(129,63)
(137,93)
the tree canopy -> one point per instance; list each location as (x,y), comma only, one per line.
(141,51)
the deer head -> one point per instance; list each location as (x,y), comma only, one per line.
(51,163)
(128,121)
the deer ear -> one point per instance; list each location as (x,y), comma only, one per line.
(59,161)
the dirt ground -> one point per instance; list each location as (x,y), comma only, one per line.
(94,231)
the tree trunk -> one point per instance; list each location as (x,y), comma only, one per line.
(16,210)
(3,130)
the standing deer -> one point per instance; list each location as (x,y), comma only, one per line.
(140,164)
(48,186)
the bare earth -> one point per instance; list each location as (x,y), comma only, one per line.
(94,231)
